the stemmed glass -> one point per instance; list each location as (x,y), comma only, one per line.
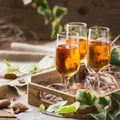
(98,56)
(67,56)
(81,28)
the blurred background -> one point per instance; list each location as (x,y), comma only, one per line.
(23,23)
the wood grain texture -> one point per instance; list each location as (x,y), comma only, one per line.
(4,115)
(93,12)
(36,91)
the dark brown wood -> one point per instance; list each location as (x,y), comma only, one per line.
(93,12)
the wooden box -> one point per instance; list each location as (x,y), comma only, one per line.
(37,89)
(39,92)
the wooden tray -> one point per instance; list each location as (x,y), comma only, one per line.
(37,91)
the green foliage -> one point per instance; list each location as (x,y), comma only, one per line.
(9,65)
(115,112)
(69,108)
(115,57)
(11,69)
(26,2)
(100,116)
(56,27)
(28,68)
(42,107)
(50,16)
(56,106)
(88,98)
(116,97)
(25,69)
(42,3)
(43,9)
(59,12)
(103,103)
(46,13)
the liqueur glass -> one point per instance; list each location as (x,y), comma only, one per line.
(98,56)
(81,28)
(67,56)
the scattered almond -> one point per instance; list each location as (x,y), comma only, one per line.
(21,81)
(14,98)
(10,76)
(4,103)
(19,107)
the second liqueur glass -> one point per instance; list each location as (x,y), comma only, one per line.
(67,56)
(99,48)
(81,28)
(98,56)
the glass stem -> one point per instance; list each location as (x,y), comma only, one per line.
(65,82)
(97,79)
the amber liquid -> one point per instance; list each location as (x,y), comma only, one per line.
(67,59)
(83,47)
(98,55)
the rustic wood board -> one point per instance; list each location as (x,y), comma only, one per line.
(93,12)
(37,86)
(4,115)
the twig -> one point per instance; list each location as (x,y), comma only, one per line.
(10,32)
(115,40)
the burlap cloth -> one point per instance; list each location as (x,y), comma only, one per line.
(20,54)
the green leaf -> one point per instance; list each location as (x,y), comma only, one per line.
(69,109)
(56,106)
(103,103)
(42,3)
(42,107)
(111,36)
(100,116)
(26,2)
(8,63)
(115,56)
(12,70)
(116,97)
(86,98)
(59,12)
(56,27)
(114,113)
(28,68)
(46,14)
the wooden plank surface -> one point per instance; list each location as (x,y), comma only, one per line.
(4,115)
(93,12)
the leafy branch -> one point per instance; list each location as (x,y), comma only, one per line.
(53,16)
(86,99)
